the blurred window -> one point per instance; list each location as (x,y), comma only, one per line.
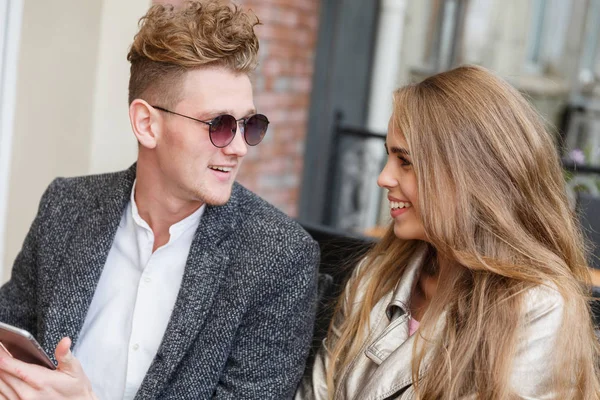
(549,23)
(536,37)
(590,59)
(473,31)
(445,22)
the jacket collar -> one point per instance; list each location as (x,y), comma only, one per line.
(392,350)
(394,374)
(401,296)
(397,311)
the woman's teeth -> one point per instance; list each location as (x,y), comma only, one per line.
(399,204)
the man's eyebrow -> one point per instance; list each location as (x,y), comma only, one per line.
(396,150)
(251,112)
(215,113)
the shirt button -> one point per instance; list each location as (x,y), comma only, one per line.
(147,280)
(136,346)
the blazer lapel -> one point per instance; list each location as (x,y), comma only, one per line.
(86,252)
(204,270)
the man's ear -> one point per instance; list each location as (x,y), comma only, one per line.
(145,123)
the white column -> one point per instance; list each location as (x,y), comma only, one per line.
(384,81)
(386,63)
(10,32)
(113,145)
(53,103)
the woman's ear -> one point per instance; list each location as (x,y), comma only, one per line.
(144,122)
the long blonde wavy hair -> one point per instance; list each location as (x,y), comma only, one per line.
(492,201)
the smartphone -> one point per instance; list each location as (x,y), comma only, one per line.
(23,346)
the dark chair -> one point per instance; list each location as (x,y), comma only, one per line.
(340,252)
(588,210)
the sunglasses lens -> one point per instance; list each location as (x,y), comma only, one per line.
(223,130)
(256,128)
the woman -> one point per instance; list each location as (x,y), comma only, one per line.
(479,288)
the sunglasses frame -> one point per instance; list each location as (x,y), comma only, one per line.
(212,122)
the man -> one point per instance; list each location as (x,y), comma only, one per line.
(170,280)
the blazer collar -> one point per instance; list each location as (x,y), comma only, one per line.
(205,269)
(96,208)
(118,193)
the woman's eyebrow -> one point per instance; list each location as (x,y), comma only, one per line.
(396,150)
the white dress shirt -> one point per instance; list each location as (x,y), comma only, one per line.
(132,304)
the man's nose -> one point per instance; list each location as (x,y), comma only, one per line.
(238,146)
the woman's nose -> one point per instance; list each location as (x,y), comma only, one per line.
(386,179)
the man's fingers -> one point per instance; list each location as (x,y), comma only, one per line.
(20,380)
(8,385)
(29,374)
(67,363)
(63,351)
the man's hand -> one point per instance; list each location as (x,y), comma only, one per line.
(21,381)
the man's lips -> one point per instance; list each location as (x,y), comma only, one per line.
(222,168)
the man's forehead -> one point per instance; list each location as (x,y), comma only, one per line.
(218,91)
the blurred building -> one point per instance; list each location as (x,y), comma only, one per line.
(548,49)
(326,75)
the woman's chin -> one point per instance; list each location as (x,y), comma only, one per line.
(404,232)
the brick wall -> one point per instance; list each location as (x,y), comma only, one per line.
(282,86)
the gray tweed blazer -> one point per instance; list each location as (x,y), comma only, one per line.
(243,321)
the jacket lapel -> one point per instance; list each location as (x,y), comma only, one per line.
(205,268)
(87,248)
(394,374)
(392,350)
(397,311)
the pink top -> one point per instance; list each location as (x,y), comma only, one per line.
(413,325)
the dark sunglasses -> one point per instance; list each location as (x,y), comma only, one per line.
(222,129)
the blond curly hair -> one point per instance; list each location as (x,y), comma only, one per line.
(173,40)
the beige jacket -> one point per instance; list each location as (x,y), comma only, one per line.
(382,369)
